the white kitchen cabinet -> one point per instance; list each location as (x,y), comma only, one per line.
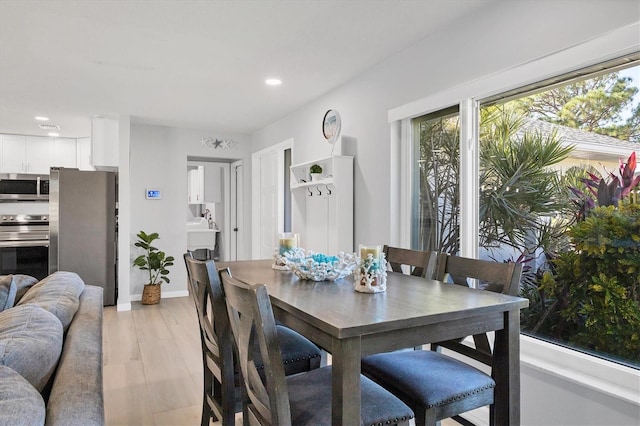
(324,207)
(83,158)
(26,154)
(64,153)
(13,160)
(195,184)
(38,155)
(105,142)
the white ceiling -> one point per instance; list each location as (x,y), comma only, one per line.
(194,64)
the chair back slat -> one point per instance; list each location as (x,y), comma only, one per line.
(251,317)
(499,277)
(421,263)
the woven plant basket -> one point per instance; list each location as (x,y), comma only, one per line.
(151,294)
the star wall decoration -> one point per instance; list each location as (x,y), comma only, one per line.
(216,143)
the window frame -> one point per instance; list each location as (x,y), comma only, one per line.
(590,371)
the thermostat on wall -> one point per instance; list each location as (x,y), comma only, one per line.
(153,194)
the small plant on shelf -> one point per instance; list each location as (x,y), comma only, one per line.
(315,171)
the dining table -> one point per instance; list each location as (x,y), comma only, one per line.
(411,312)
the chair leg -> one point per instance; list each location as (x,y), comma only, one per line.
(425,417)
(207,413)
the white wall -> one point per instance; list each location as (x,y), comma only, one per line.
(158,159)
(509,34)
(504,37)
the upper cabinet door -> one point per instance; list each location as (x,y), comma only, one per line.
(38,154)
(83,146)
(64,153)
(13,158)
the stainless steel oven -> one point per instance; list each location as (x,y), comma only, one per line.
(24,245)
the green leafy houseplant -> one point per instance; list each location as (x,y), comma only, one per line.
(315,169)
(154,260)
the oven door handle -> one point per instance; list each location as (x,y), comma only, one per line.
(24,243)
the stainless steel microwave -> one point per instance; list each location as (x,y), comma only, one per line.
(19,187)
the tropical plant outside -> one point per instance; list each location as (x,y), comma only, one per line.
(576,229)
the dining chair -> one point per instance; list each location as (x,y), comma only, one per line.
(302,399)
(420,263)
(221,381)
(437,386)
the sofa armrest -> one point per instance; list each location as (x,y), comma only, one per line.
(77,396)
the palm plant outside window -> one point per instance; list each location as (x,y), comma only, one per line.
(559,193)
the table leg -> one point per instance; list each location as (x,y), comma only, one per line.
(506,407)
(345,398)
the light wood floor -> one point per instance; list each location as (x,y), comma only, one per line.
(153,366)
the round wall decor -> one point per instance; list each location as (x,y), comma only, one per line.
(331,125)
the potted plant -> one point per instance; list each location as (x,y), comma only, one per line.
(316,172)
(154,261)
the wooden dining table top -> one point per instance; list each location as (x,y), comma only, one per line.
(337,308)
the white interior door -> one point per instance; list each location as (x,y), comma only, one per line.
(267,185)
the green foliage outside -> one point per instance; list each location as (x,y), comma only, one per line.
(592,294)
(587,293)
(595,105)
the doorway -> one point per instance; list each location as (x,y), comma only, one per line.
(218,205)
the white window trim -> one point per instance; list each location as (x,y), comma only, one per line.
(589,371)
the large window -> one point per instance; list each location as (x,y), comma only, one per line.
(436,218)
(558,193)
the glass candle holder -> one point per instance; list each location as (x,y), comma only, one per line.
(370,256)
(287,241)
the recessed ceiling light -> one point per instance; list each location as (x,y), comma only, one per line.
(273,81)
(53,134)
(41,118)
(49,126)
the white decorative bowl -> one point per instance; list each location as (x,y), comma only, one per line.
(319,267)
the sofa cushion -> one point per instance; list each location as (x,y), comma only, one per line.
(7,292)
(20,403)
(23,283)
(30,343)
(58,293)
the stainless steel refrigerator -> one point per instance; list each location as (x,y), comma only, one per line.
(83,226)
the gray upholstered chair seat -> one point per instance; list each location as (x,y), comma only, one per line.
(310,399)
(428,378)
(298,353)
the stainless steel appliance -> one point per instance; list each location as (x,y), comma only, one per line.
(24,245)
(22,187)
(82,226)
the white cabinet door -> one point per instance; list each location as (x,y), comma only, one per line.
(13,154)
(196,185)
(83,161)
(105,140)
(64,153)
(38,154)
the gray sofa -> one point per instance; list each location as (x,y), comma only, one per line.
(50,351)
